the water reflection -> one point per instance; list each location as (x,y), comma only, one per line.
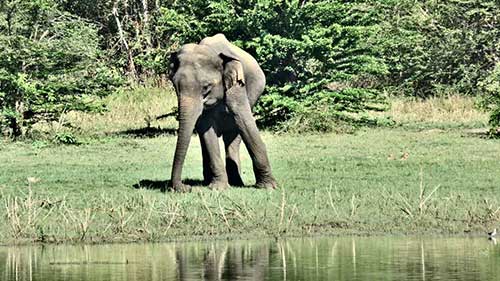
(346,258)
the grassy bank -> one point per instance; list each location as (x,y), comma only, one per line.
(380,180)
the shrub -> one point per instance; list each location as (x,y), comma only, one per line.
(50,63)
(65,138)
(439,47)
(491,95)
(404,47)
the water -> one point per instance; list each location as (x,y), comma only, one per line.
(344,258)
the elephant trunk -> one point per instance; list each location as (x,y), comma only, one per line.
(190,110)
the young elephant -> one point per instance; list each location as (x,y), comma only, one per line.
(217,85)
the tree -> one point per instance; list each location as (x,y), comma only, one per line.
(50,63)
(439,47)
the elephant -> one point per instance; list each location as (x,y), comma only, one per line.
(217,84)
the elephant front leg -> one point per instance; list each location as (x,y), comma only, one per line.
(213,168)
(238,104)
(232,141)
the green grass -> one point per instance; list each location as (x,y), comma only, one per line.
(329,184)
(377,180)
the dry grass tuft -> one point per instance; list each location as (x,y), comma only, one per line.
(455,109)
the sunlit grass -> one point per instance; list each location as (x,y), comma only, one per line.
(373,181)
(140,108)
(132,109)
(453,111)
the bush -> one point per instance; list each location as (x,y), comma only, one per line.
(65,138)
(439,47)
(491,96)
(50,63)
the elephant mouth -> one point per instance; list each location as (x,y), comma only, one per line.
(209,103)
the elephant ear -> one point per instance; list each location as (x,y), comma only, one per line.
(233,71)
(174,65)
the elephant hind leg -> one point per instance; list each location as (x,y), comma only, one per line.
(232,141)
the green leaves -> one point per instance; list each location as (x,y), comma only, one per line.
(443,47)
(491,95)
(438,47)
(50,63)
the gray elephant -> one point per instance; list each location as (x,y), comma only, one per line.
(217,84)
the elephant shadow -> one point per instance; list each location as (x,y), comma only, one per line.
(148,132)
(164,185)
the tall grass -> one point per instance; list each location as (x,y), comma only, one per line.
(152,111)
(452,110)
(130,110)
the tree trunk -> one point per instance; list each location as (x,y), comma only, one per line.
(131,65)
(146,12)
(16,122)
(145,25)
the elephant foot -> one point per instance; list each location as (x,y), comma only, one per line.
(182,188)
(219,185)
(266,184)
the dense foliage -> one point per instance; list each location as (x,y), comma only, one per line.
(49,64)
(327,61)
(491,89)
(440,47)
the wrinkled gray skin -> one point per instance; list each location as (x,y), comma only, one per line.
(217,85)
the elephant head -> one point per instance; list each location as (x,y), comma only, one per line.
(200,77)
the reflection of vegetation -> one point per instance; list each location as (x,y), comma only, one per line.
(304,259)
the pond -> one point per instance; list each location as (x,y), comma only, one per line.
(326,258)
